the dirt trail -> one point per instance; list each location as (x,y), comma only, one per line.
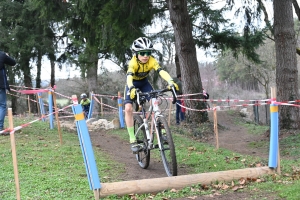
(231,136)
(235,137)
(120,151)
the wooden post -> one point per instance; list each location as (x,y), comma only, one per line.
(101,107)
(170,111)
(14,153)
(29,110)
(216,126)
(56,116)
(97,194)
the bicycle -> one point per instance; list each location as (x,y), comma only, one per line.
(158,127)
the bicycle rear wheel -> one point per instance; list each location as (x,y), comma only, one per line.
(167,151)
(143,156)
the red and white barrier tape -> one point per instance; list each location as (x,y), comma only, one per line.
(104,104)
(27,124)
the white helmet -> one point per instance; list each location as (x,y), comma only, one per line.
(142,43)
(83,95)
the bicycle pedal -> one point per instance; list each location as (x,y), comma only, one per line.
(156,146)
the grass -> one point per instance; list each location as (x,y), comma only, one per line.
(49,170)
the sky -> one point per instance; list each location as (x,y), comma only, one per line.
(66,71)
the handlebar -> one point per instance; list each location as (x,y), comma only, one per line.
(142,97)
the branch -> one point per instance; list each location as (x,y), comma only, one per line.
(297,9)
(298,51)
(266,19)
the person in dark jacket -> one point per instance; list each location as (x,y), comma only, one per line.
(179,112)
(4,59)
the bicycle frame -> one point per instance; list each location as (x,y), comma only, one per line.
(144,132)
(153,109)
(149,132)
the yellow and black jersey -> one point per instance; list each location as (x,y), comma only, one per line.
(139,71)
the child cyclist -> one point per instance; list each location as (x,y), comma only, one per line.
(85,103)
(138,69)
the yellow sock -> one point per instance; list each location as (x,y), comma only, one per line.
(132,137)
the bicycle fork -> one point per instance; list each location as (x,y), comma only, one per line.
(158,135)
(148,134)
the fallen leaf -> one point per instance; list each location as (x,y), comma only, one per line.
(204,187)
(216,186)
(225,187)
(258,165)
(242,181)
(258,180)
(191,148)
(236,157)
(194,197)
(235,188)
(173,190)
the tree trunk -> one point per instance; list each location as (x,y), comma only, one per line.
(25,64)
(186,51)
(38,70)
(286,63)
(177,65)
(12,81)
(91,75)
(52,81)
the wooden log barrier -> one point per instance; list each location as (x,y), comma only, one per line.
(145,186)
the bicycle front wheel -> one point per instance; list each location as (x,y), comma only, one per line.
(167,150)
(143,156)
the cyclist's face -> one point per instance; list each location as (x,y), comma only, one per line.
(143,57)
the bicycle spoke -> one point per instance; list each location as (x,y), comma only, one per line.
(168,150)
(143,156)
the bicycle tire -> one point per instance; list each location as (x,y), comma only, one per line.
(143,156)
(167,151)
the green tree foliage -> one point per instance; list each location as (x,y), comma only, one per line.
(123,22)
(213,30)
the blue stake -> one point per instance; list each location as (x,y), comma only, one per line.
(86,148)
(50,100)
(91,106)
(273,155)
(42,109)
(121,112)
